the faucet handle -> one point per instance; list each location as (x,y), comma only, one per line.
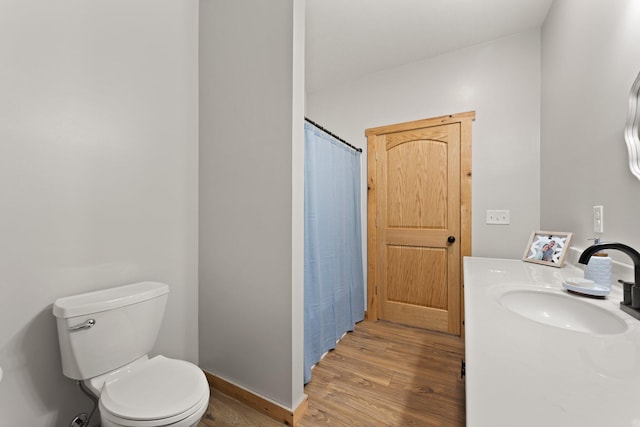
(626,291)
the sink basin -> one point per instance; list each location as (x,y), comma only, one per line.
(562,311)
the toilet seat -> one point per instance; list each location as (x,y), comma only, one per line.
(160,392)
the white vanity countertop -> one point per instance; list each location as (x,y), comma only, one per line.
(522,373)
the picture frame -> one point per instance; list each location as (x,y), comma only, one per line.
(548,248)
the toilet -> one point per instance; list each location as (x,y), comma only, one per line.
(105,337)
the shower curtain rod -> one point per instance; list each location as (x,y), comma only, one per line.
(359,150)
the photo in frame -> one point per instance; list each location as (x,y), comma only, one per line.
(547,247)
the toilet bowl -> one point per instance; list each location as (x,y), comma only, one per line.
(105,338)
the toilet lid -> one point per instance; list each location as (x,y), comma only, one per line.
(162,388)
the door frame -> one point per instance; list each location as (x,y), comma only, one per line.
(465,120)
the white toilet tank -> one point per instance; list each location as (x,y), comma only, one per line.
(103,330)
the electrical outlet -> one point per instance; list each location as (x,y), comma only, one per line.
(498,217)
(598,219)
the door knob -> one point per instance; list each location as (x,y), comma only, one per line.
(451,239)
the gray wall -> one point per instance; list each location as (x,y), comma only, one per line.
(500,80)
(251,100)
(590,58)
(98,179)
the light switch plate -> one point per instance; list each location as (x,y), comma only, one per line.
(598,219)
(498,217)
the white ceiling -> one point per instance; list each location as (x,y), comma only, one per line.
(346,39)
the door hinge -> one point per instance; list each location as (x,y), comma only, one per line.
(463,368)
(376,156)
(376,222)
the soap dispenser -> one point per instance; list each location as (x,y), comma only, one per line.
(599,269)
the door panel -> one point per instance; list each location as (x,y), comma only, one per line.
(409,267)
(417,190)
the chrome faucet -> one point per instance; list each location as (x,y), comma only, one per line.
(631,301)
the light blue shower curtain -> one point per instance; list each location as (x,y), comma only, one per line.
(333,277)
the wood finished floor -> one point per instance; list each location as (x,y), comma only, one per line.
(382,374)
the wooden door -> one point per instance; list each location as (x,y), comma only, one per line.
(419,221)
